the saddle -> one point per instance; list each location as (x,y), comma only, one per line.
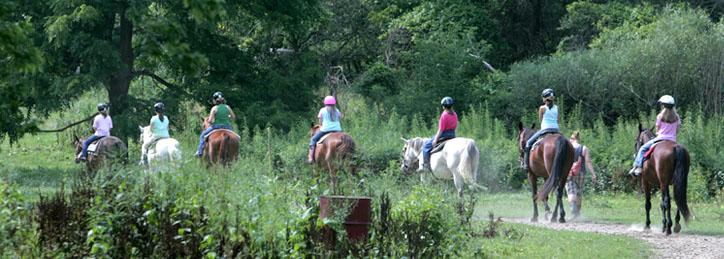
(648,153)
(541,137)
(440,145)
(152,146)
(326,134)
(206,137)
(94,145)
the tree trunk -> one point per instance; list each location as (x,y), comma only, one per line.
(119,83)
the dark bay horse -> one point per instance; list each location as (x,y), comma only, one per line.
(335,152)
(667,165)
(222,146)
(109,150)
(551,160)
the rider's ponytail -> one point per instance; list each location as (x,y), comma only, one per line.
(332,111)
(668,114)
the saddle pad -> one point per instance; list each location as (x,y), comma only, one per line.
(440,145)
(206,137)
(540,139)
(326,134)
(94,145)
(152,146)
(648,153)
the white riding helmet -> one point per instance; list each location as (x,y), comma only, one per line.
(666,99)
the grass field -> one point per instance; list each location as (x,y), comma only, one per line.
(42,170)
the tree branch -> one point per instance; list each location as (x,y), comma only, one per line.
(69,125)
(162,81)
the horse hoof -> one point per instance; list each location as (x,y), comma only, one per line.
(562,220)
(677,228)
(534,219)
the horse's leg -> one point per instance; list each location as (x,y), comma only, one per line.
(559,203)
(666,209)
(647,205)
(534,189)
(677,226)
(458,180)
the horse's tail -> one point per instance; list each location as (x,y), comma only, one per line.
(469,164)
(557,171)
(224,149)
(681,172)
(174,152)
(346,146)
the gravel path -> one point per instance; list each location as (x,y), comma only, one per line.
(673,246)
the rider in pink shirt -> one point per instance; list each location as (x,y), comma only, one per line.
(667,125)
(445,129)
(102,125)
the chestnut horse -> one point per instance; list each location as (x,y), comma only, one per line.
(222,146)
(667,165)
(109,150)
(334,152)
(551,160)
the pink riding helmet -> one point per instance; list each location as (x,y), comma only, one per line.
(329,100)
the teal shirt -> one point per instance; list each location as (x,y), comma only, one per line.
(160,128)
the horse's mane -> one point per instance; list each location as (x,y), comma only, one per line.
(417,143)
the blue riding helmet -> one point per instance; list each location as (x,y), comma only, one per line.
(547,92)
(159,107)
(102,107)
(217,95)
(447,101)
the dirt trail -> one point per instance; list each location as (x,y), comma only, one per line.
(673,246)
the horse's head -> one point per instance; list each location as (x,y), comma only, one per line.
(313,129)
(78,144)
(523,135)
(644,135)
(411,154)
(206,123)
(146,133)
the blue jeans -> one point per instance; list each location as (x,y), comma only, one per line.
(537,134)
(316,138)
(84,152)
(201,140)
(428,145)
(639,160)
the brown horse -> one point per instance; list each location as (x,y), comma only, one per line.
(667,165)
(222,146)
(551,160)
(336,151)
(109,150)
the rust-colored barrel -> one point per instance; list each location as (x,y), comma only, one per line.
(357,222)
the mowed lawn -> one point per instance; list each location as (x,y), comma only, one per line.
(38,164)
(624,208)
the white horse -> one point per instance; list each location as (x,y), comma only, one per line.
(168,150)
(457,160)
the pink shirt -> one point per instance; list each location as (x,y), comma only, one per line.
(665,130)
(103,125)
(448,121)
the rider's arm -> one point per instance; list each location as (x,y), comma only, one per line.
(231,113)
(589,164)
(211,115)
(541,111)
(437,136)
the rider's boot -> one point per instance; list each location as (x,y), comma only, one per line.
(526,157)
(310,157)
(425,164)
(636,171)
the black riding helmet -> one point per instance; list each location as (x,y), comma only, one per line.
(102,107)
(159,107)
(217,95)
(447,101)
(547,92)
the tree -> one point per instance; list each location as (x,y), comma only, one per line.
(190,48)
(19,60)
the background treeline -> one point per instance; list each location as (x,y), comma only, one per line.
(273,60)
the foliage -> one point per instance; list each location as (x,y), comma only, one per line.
(17,232)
